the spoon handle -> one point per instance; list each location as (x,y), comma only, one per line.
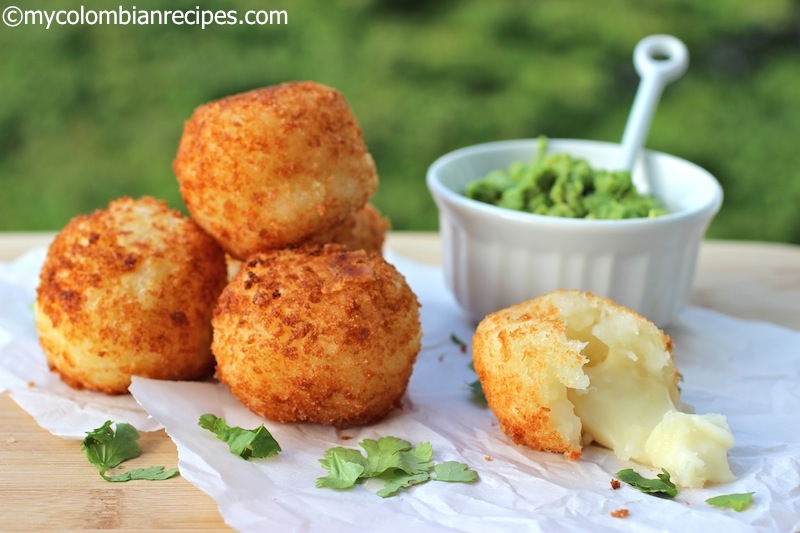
(659,60)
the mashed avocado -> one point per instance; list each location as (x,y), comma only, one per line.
(564,186)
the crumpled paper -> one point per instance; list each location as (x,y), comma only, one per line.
(746,370)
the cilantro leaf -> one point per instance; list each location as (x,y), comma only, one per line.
(344,454)
(151,473)
(344,469)
(477,393)
(402,481)
(391,460)
(737,502)
(658,487)
(245,443)
(418,460)
(454,472)
(383,454)
(105,449)
(478,396)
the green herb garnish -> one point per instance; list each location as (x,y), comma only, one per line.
(476,388)
(392,460)
(658,487)
(737,502)
(454,472)
(245,443)
(477,393)
(106,449)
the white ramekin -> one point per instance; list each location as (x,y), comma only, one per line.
(495,257)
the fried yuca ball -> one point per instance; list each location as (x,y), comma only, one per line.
(318,334)
(271,167)
(363,230)
(569,368)
(129,290)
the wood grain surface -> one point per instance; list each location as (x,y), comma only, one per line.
(47,484)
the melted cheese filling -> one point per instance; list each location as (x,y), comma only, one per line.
(632,403)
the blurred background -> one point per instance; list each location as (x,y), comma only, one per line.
(91,113)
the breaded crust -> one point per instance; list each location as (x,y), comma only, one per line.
(129,290)
(271,167)
(318,334)
(363,230)
(518,352)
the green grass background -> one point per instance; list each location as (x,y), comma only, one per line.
(88,114)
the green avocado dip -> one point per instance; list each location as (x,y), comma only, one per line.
(564,186)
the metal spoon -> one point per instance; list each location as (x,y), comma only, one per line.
(659,60)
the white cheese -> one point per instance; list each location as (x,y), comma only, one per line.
(632,403)
(692,448)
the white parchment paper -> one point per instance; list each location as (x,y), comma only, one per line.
(748,371)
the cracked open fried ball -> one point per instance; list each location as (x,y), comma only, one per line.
(271,167)
(129,290)
(319,334)
(570,368)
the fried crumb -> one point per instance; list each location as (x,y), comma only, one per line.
(346,437)
(31,384)
(620,513)
(462,346)
(615,484)
(488,458)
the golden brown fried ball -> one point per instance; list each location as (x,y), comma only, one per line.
(319,334)
(129,290)
(271,167)
(364,230)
